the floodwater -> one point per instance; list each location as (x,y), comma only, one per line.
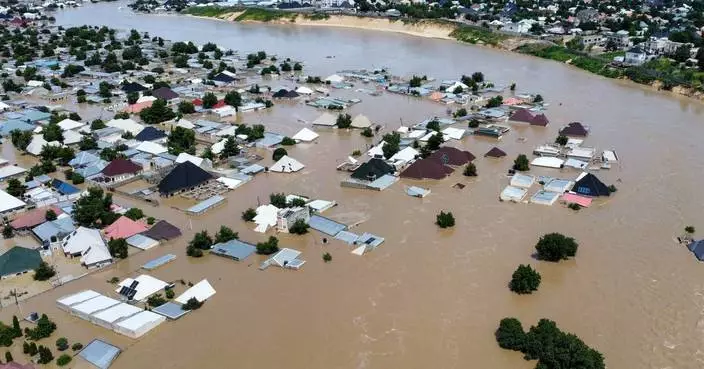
(430,297)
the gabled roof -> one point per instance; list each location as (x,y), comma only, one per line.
(540,120)
(286,164)
(222,77)
(164,93)
(184,175)
(19,259)
(575,129)
(162,230)
(427,168)
(81,240)
(121,166)
(33,218)
(373,169)
(451,156)
(150,133)
(590,185)
(495,152)
(133,87)
(124,227)
(522,115)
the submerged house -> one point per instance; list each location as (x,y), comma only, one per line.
(427,169)
(575,129)
(120,170)
(184,176)
(590,185)
(451,156)
(89,245)
(495,152)
(285,218)
(373,169)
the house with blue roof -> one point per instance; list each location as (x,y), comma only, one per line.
(8,126)
(34,116)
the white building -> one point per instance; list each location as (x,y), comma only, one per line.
(89,245)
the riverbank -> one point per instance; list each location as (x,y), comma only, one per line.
(654,75)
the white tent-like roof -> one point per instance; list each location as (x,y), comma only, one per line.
(146,286)
(201,162)
(547,161)
(305,135)
(10,170)
(185,123)
(361,121)
(145,99)
(326,119)
(139,324)
(334,78)
(38,142)
(151,148)
(4,106)
(454,133)
(286,164)
(107,317)
(72,137)
(81,240)
(9,202)
(230,183)
(377,150)
(218,146)
(68,124)
(303,90)
(405,155)
(94,305)
(201,291)
(66,302)
(127,125)
(266,217)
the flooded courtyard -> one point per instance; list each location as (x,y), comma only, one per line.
(429,297)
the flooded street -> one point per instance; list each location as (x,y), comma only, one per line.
(429,297)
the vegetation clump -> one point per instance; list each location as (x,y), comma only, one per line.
(524,280)
(555,247)
(521,163)
(445,220)
(269,247)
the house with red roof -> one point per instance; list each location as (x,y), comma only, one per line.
(120,170)
(33,218)
(124,227)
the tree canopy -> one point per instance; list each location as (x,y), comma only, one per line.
(555,247)
(225,234)
(230,148)
(201,241)
(182,140)
(93,209)
(269,247)
(157,113)
(524,280)
(118,248)
(445,220)
(521,163)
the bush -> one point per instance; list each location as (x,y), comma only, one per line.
(44,272)
(521,163)
(327,257)
(612,188)
(151,220)
(8,357)
(249,214)
(470,170)
(525,280)
(278,200)
(77,178)
(510,334)
(344,121)
(299,227)
(445,220)
(561,140)
(225,234)
(269,247)
(555,247)
(76,346)
(44,328)
(288,141)
(8,231)
(63,360)
(194,252)
(279,153)
(367,132)
(156,300)
(134,213)
(574,206)
(192,304)
(62,344)
(689,229)
(118,248)
(170,294)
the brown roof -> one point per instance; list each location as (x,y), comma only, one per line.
(495,152)
(575,129)
(33,218)
(426,168)
(522,115)
(121,166)
(451,156)
(540,120)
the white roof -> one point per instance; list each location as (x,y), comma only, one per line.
(225,111)
(9,202)
(4,106)
(97,303)
(201,291)
(582,152)
(361,121)
(227,131)
(286,164)
(547,161)
(609,155)
(77,297)
(38,142)
(139,320)
(218,146)
(266,217)
(10,170)
(407,154)
(416,133)
(230,183)
(126,125)
(377,150)
(332,78)
(82,239)
(320,205)
(147,286)
(185,123)
(151,148)
(305,135)
(326,119)
(184,157)
(304,90)
(97,253)
(67,124)
(403,129)
(285,256)
(117,312)
(431,134)
(145,99)
(574,163)
(72,137)
(454,133)
(522,180)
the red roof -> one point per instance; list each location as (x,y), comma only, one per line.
(219,104)
(124,227)
(540,120)
(33,218)
(426,168)
(451,156)
(121,166)
(522,115)
(197,102)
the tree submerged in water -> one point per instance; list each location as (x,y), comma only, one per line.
(445,220)
(524,280)
(555,247)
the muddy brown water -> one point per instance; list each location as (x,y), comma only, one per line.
(430,297)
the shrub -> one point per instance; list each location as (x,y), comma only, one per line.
(62,344)
(278,200)
(561,140)
(521,163)
(44,272)
(279,153)
(327,257)
(249,214)
(510,334)
(192,304)
(445,220)
(151,220)
(77,178)
(574,206)
(118,248)
(8,357)
(612,188)
(470,170)
(367,132)
(8,231)
(525,280)
(170,293)
(76,346)
(288,141)
(194,252)
(156,300)
(225,234)
(269,247)
(63,360)
(356,153)
(689,229)
(344,121)
(555,247)
(44,328)
(134,213)
(299,227)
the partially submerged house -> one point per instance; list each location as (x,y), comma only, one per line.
(123,227)
(18,260)
(286,164)
(184,176)
(590,185)
(285,218)
(495,152)
(88,244)
(451,156)
(575,129)
(120,170)
(373,169)
(427,169)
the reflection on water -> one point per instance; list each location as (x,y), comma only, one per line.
(431,298)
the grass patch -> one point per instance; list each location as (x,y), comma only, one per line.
(210,11)
(265,15)
(316,16)
(475,35)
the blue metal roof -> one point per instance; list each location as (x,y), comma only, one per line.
(170,310)
(83,158)
(100,353)
(155,263)
(205,205)
(11,125)
(234,249)
(326,225)
(64,188)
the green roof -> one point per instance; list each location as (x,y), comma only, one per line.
(18,260)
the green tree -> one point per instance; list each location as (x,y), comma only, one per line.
(44,272)
(327,257)
(157,113)
(156,300)
(495,101)
(97,124)
(510,334)
(16,329)
(521,163)
(682,54)
(62,344)
(470,170)
(555,247)
(367,132)
(118,248)
(63,360)
(278,200)
(20,139)
(435,141)
(689,230)
(445,220)
(8,231)
(53,132)
(182,140)
(132,97)
(478,77)
(249,214)
(170,293)
(269,247)
(134,213)
(344,121)
(50,215)
(15,187)
(186,107)
(43,329)
(279,153)
(8,357)
(233,98)
(561,140)
(87,143)
(524,280)
(299,227)
(192,304)
(230,148)
(201,241)
(288,141)
(93,208)
(225,234)
(209,100)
